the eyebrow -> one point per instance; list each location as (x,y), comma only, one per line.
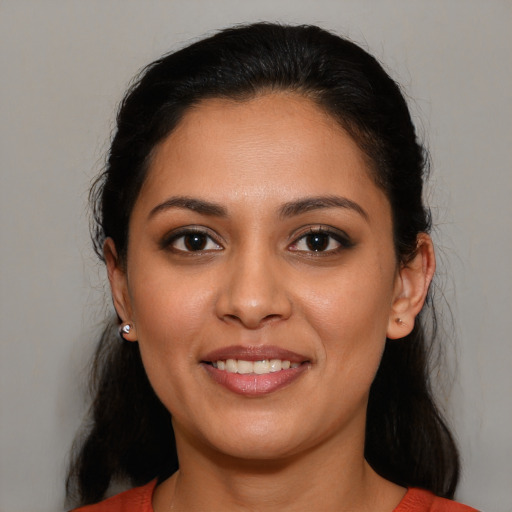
(189,203)
(316,203)
(289,209)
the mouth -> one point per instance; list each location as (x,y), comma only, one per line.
(244,367)
(254,371)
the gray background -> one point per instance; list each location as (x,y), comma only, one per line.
(65,64)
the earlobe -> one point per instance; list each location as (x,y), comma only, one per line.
(119,289)
(125,330)
(411,288)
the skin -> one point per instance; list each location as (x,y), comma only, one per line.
(257,282)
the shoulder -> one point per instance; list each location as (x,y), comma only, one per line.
(136,499)
(419,500)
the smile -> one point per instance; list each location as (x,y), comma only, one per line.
(262,367)
(254,371)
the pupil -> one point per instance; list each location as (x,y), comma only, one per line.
(196,242)
(317,242)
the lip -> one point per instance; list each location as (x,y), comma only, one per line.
(254,353)
(252,385)
(255,385)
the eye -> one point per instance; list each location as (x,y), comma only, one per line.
(321,240)
(191,241)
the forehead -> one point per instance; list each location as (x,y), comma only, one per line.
(274,145)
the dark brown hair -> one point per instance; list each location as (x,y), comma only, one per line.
(130,435)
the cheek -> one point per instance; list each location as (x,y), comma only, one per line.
(169,321)
(349,313)
(167,299)
(349,302)
(169,313)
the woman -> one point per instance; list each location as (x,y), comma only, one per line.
(262,224)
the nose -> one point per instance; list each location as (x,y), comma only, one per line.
(254,291)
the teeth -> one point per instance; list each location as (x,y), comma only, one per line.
(231,366)
(261,367)
(257,367)
(275,365)
(245,367)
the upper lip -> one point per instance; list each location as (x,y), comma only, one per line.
(254,353)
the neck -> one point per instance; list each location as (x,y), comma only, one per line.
(334,476)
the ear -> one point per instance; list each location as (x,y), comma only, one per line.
(411,288)
(119,287)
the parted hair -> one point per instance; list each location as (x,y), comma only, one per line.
(128,434)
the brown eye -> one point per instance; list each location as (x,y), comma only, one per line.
(195,241)
(317,241)
(321,241)
(191,241)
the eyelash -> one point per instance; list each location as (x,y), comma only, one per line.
(169,241)
(339,237)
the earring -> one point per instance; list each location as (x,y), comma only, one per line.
(400,322)
(125,328)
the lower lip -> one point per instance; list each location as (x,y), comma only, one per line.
(252,384)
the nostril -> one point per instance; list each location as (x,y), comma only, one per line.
(251,321)
(272,317)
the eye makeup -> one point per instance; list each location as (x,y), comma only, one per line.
(190,240)
(315,241)
(321,241)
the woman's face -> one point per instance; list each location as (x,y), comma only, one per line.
(260,242)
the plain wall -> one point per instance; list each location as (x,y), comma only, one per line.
(65,65)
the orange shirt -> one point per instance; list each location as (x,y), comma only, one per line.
(139,500)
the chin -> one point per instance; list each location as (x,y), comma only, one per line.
(260,440)
(258,449)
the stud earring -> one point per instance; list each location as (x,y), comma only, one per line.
(400,322)
(125,328)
